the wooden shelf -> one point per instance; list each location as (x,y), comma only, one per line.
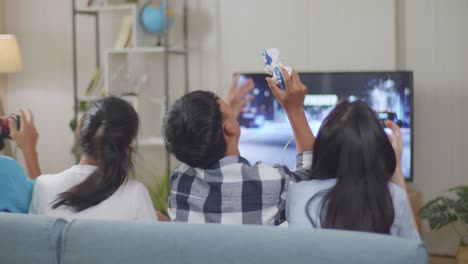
(106,8)
(145,50)
(151,141)
(89,98)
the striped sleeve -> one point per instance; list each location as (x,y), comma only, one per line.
(303,166)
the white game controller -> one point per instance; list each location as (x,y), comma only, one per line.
(273,65)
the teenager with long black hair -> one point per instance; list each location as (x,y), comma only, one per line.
(357,183)
(100,186)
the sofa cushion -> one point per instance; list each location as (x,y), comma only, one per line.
(30,239)
(88,241)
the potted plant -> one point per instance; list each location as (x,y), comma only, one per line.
(450,209)
(159,193)
(158,190)
(76,149)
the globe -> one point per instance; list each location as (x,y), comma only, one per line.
(154,15)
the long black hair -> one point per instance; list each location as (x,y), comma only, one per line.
(353,147)
(108,129)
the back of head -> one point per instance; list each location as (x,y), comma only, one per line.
(353,147)
(193,129)
(107,131)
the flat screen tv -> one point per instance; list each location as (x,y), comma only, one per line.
(266,131)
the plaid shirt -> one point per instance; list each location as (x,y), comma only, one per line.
(234,192)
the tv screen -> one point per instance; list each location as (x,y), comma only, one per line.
(266,130)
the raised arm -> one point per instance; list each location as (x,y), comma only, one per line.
(397,142)
(26,138)
(292,99)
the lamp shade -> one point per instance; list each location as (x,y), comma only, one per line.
(10,55)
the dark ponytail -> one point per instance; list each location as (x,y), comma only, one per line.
(353,147)
(108,129)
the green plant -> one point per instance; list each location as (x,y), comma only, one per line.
(159,190)
(160,193)
(450,209)
(76,149)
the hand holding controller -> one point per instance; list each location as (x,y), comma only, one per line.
(389,116)
(273,65)
(5,128)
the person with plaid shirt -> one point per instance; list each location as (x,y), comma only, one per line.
(214,183)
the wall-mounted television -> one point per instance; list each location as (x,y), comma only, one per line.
(266,130)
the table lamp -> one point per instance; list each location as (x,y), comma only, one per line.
(10,55)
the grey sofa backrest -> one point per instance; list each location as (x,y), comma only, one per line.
(87,241)
(30,239)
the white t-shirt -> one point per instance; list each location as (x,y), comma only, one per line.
(130,202)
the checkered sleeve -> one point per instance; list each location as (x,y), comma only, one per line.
(303,166)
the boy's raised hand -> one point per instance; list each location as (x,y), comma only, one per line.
(293,95)
(237,96)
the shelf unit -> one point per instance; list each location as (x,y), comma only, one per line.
(108,8)
(148,50)
(142,59)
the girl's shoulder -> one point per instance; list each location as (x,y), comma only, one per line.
(313,185)
(134,186)
(7,162)
(306,189)
(55,182)
(11,170)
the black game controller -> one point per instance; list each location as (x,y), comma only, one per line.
(389,116)
(5,127)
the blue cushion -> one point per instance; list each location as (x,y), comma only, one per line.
(88,241)
(29,239)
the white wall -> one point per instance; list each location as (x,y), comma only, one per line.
(433,41)
(352,35)
(204,44)
(315,35)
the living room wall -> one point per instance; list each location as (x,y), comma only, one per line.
(428,37)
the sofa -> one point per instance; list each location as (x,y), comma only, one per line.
(39,239)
